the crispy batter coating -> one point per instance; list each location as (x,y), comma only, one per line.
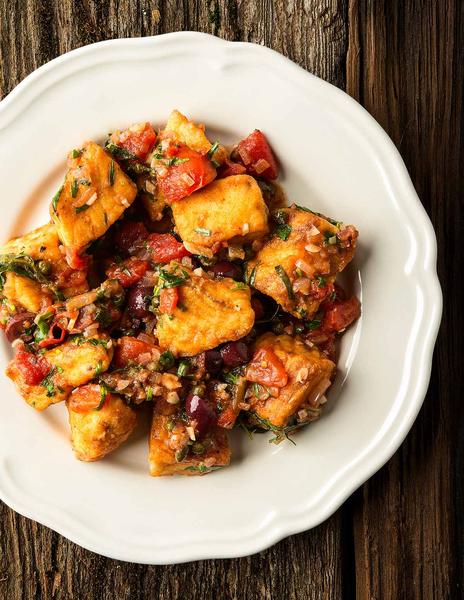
(314,252)
(169,437)
(227,210)
(307,369)
(41,244)
(73,364)
(209,312)
(95,194)
(96,433)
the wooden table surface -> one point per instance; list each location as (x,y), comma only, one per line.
(402,534)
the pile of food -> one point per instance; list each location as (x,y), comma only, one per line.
(173,273)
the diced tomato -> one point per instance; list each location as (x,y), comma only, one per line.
(340,314)
(256,154)
(56,335)
(129,272)
(169,298)
(266,368)
(88,397)
(231,168)
(189,172)
(75,260)
(129,349)
(33,368)
(130,234)
(138,140)
(166,248)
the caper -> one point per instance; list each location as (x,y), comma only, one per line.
(45,267)
(181,454)
(198,448)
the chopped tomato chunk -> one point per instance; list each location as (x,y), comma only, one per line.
(88,397)
(129,272)
(256,154)
(165,247)
(33,368)
(266,368)
(138,140)
(129,349)
(56,335)
(340,314)
(169,298)
(183,172)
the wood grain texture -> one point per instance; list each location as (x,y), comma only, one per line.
(402,535)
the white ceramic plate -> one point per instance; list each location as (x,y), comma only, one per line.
(337,160)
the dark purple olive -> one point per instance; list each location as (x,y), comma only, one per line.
(224,268)
(213,361)
(137,306)
(17,324)
(235,354)
(198,410)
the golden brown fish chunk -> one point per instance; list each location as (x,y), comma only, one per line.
(227,210)
(38,254)
(73,363)
(171,451)
(298,268)
(98,431)
(309,373)
(94,195)
(209,312)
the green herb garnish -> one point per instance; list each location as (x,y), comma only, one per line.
(119,152)
(149,394)
(74,188)
(285,280)
(43,326)
(56,198)
(314,324)
(98,368)
(183,368)
(103,396)
(111,173)
(202,468)
(212,150)
(239,285)
(321,281)
(175,160)
(166,360)
(252,277)
(81,208)
(283,231)
(75,153)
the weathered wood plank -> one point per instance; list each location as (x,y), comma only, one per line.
(405,65)
(36,562)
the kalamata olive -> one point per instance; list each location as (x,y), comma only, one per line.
(198,410)
(16,325)
(235,354)
(130,234)
(258,308)
(224,268)
(137,306)
(213,361)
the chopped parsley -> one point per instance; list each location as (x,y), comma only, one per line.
(43,326)
(239,285)
(82,208)
(314,324)
(74,188)
(321,281)
(119,152)
(21,264)
(283,231)
(285,280)
(175,160)
(103,396)
(76,153)
(48,382)
(149,394)
(111,173)
(202,468)
(166,360)
(169,280)
(56,198)
(212,150)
